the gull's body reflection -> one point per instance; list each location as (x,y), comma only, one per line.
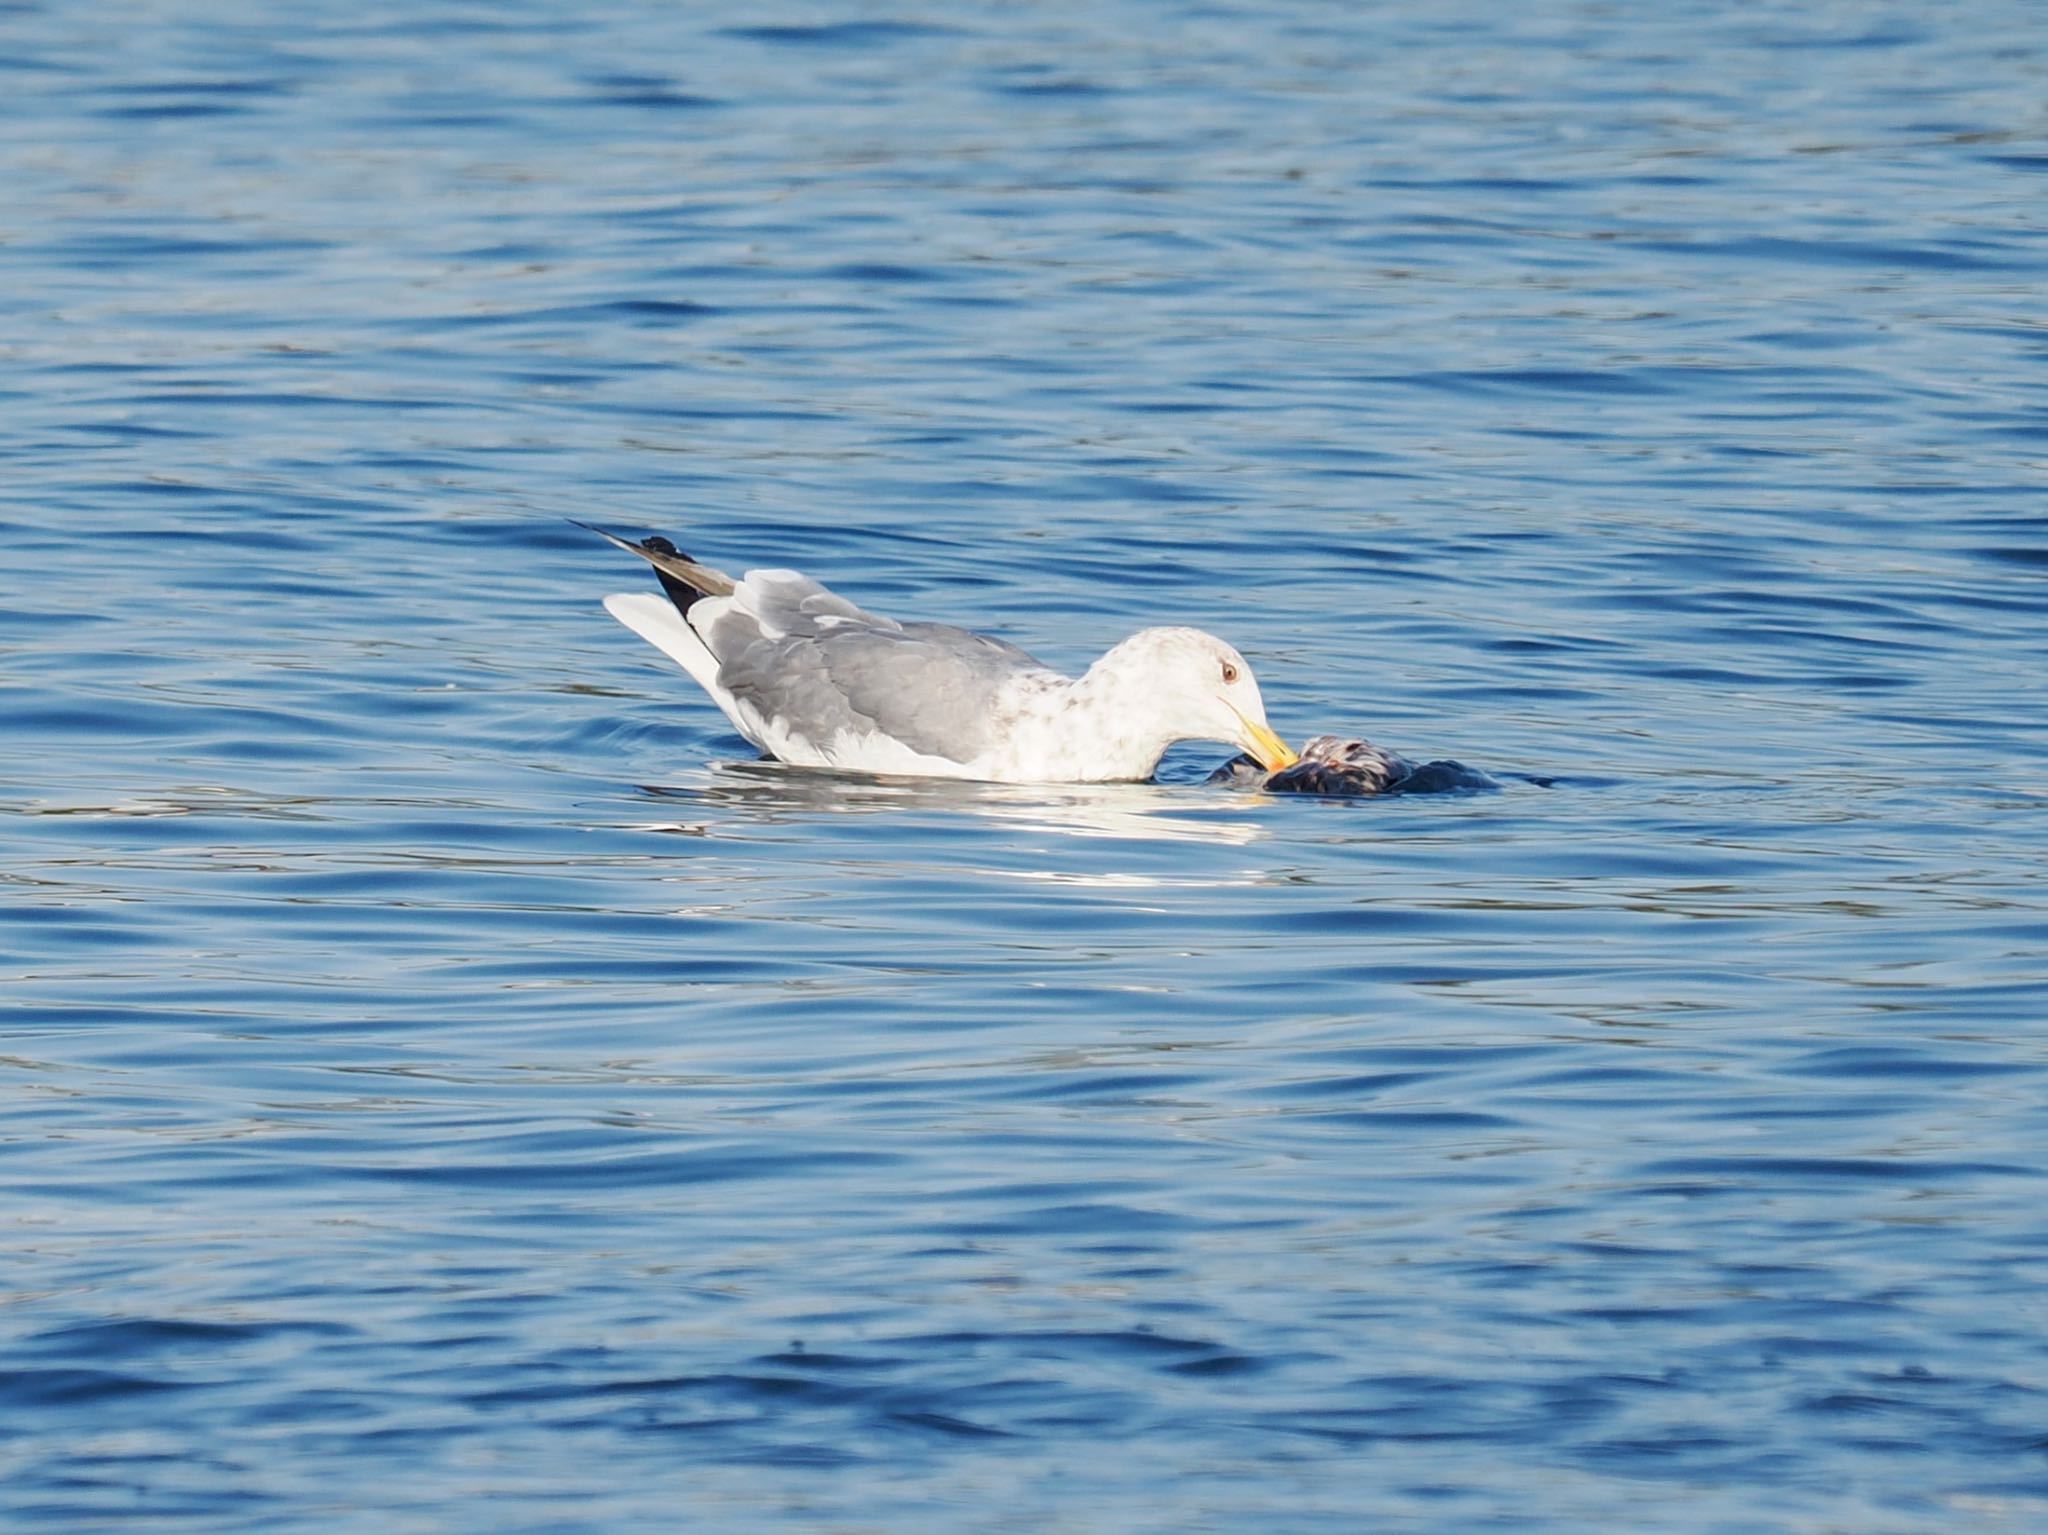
(771,792)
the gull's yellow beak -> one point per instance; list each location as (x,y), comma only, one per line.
(1272,752)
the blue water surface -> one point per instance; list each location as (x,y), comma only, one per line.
(447,1085)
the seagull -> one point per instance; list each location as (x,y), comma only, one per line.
(814,681)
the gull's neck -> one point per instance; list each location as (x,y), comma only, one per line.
(1123,717)
(1103,727)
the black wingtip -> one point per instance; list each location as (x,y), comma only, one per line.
(681,593)
(654,541)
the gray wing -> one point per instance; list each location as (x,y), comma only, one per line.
(800,654)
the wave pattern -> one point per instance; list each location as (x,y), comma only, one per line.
(446,1086)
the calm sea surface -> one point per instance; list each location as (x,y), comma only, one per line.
(445,1085)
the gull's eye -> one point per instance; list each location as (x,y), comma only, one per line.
(1229,673)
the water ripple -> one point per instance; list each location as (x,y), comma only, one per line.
(448,1082)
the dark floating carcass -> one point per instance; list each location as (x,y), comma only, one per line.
(1333,766)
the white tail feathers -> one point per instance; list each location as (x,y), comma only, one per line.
(655,619)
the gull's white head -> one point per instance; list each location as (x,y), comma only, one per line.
(1185,685)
